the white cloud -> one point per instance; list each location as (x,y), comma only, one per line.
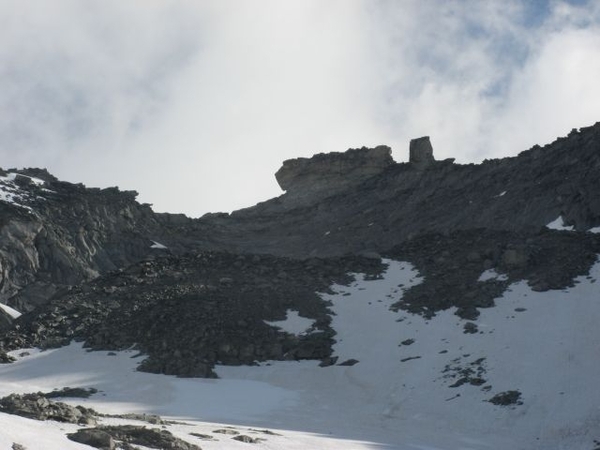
(196,104)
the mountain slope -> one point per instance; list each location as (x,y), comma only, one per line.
(417,383)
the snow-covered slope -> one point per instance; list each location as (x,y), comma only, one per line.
(394,393)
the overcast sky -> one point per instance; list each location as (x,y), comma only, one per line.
(195,104)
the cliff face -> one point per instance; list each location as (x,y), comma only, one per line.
(55,234)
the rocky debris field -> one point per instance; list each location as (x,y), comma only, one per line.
(188,313)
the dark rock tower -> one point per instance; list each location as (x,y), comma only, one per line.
(421,152)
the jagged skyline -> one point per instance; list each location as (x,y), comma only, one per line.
(196,105)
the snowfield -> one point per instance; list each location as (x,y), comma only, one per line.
(394,393)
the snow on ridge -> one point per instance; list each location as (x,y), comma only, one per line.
(11,192)
(12,175)
(559,224)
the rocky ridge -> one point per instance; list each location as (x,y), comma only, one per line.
(521,193)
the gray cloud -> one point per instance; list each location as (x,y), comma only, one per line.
(196,104)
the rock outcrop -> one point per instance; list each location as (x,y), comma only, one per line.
(326,174)
(421,152)
(38,407)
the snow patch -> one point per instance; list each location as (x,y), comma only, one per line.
(158,245)
(559,224)
(594,230)
(293,323)
(491,274)
(10,311)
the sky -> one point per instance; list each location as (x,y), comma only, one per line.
(196,104)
